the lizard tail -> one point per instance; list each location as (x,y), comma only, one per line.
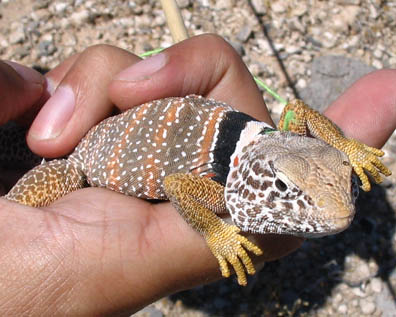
(46,183)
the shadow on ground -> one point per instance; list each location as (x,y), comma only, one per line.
(303,281)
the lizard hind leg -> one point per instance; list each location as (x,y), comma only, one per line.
(46,183)
(198,199)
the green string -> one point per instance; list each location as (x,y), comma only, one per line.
(258,81)
(269,90)
(149,53)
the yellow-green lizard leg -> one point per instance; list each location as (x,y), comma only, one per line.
(198,199)
(299,118)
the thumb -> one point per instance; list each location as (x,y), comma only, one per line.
(203,65)
(20,87)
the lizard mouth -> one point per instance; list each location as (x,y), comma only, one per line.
(337,225)
(343,222)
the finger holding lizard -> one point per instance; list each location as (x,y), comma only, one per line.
(119,229)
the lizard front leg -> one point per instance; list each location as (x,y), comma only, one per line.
(198,199)
(299,118)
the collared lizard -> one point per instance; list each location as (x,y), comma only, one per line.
(208,159)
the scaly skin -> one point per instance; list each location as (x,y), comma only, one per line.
(299,118)
(208,159)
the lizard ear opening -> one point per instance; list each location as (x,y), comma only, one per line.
(280,185)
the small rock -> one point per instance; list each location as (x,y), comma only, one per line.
(301,83)
(238,47)
(362,271)
(33,28)
(89,4)
(337,299)
(46,48)
(342,309)
(377,64)
(41,15)
(47,37)
(358,292)
(376,285)
(160,20)
(264,47)
(244,34)
(293,49)
(204,3)
(378,53)
(279,46)
(183,3)
(259,6)
(41,4)
(300,9)
(149,311)
(17,35)
(142,21)
(69,39)
(329,39)
(345,18)
(21,52)
(80,17)
(374,12)
(224,4)
(3,41)
(60,7)
(279,7)
(367,307)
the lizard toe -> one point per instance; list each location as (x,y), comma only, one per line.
(232,250)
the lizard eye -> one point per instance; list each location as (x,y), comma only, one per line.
(280,185)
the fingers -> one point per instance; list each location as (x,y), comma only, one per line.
(79,99)
(20,88)
(203,65)
(367,110)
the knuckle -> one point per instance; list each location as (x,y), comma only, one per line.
(102,54)
(98,49)
(220,46)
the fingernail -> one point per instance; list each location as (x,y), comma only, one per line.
(55,114)
(27,73)
(144,69)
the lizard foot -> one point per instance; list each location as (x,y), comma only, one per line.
(227,245)
(363,157)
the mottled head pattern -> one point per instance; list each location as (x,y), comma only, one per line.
(290,184)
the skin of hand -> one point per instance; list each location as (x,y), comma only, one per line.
(96,252)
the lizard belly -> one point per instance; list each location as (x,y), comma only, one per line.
(133,152)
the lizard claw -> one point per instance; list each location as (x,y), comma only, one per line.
(365,158)
(228,246)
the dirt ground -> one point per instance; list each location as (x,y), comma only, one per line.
(288,44)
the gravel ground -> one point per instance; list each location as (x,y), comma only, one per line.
(314,49)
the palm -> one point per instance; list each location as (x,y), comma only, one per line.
(102,240)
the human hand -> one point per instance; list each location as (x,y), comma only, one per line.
(21,88)
(96,251)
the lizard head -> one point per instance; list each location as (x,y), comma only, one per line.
(289,184)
